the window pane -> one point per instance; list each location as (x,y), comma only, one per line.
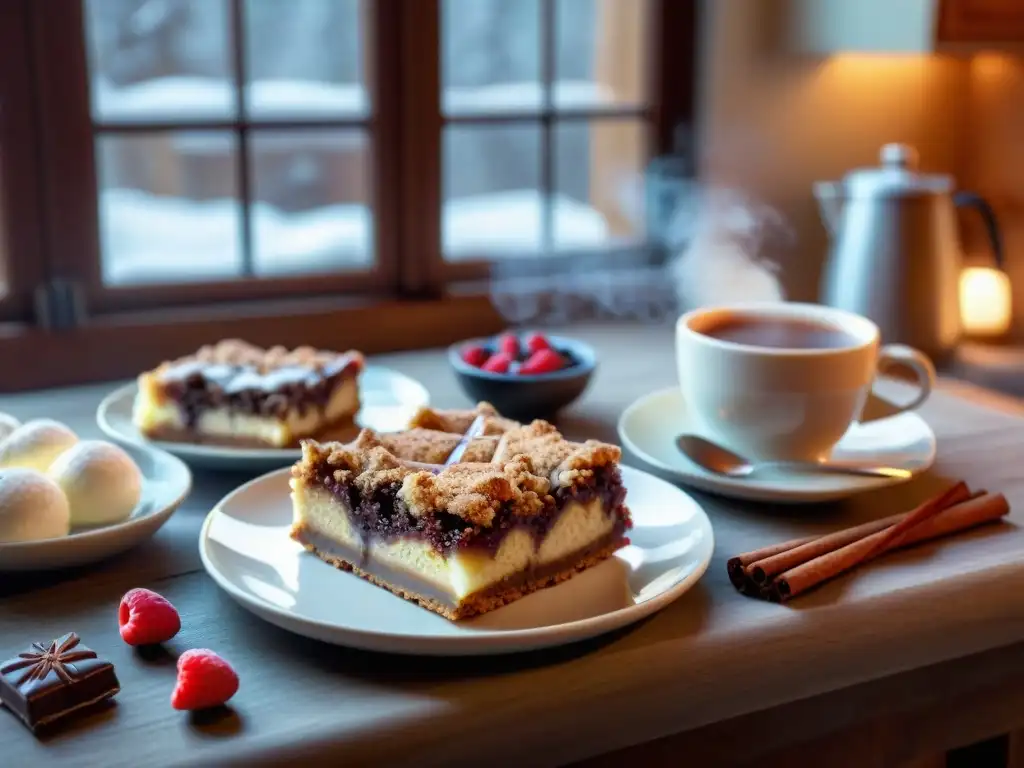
(598,180)
(600,52)
(169,208)
(492,181)
(159,59)
(490,53)
(312,211)
(305,58)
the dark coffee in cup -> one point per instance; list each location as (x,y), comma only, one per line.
(779,333)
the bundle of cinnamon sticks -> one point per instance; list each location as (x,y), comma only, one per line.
(783,571)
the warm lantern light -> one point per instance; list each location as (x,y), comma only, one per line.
(984,301)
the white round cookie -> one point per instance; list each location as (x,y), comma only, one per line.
(7,424)
(35,444)
(102,483)
(32,506)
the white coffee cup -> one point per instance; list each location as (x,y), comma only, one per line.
(783,402)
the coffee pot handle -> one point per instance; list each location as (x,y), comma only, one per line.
(965,199)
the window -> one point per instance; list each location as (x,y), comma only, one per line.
(232,139)
(545,111)
(314,171)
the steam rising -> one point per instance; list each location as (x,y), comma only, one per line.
(722,246)
(727,246)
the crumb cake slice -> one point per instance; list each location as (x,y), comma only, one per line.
(462,513)
(234,393)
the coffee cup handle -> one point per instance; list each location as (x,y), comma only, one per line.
(900,355)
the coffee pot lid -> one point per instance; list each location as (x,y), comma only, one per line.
(896,176)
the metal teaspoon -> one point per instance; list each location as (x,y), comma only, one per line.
(721,461)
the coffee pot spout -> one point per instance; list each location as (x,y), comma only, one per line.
(831,197)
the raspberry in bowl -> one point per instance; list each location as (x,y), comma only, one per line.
(524,375)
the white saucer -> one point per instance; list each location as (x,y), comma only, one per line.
(166,481)
(389,399)
(649,426)
(245,547)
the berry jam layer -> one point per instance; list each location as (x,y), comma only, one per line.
(478,575)
(383,515)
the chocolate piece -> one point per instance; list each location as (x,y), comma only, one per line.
(46,683)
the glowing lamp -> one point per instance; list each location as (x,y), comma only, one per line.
(984,301)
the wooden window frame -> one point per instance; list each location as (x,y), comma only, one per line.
(413,298)
(22,259)
(69,132)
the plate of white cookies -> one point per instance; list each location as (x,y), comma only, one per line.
(66,502)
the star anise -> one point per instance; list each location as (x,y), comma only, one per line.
(38,663)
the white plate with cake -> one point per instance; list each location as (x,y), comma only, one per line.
(464,534)
(235,406)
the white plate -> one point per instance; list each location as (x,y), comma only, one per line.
(166,481)
(389,399)
(649,426)
(245,547)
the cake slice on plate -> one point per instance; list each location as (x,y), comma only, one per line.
(462,513)
(233,393)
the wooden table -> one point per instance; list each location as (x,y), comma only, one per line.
(919,653)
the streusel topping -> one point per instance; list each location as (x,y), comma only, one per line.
(477,492)
(433,447)
(561,460)
(458,421)
(520,469)
(238,354)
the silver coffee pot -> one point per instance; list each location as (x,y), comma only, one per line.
(895,250)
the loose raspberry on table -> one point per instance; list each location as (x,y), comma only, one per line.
(542,361)
(204,680)
(146,618)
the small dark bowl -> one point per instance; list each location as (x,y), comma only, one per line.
(521,397)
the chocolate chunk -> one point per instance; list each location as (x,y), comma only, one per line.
(46,683)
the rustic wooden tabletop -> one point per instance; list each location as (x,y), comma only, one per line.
(709,657)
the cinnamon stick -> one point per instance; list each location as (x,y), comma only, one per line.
(967,514)
(985,508)
(954,495)
(762,570)
(736,566)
